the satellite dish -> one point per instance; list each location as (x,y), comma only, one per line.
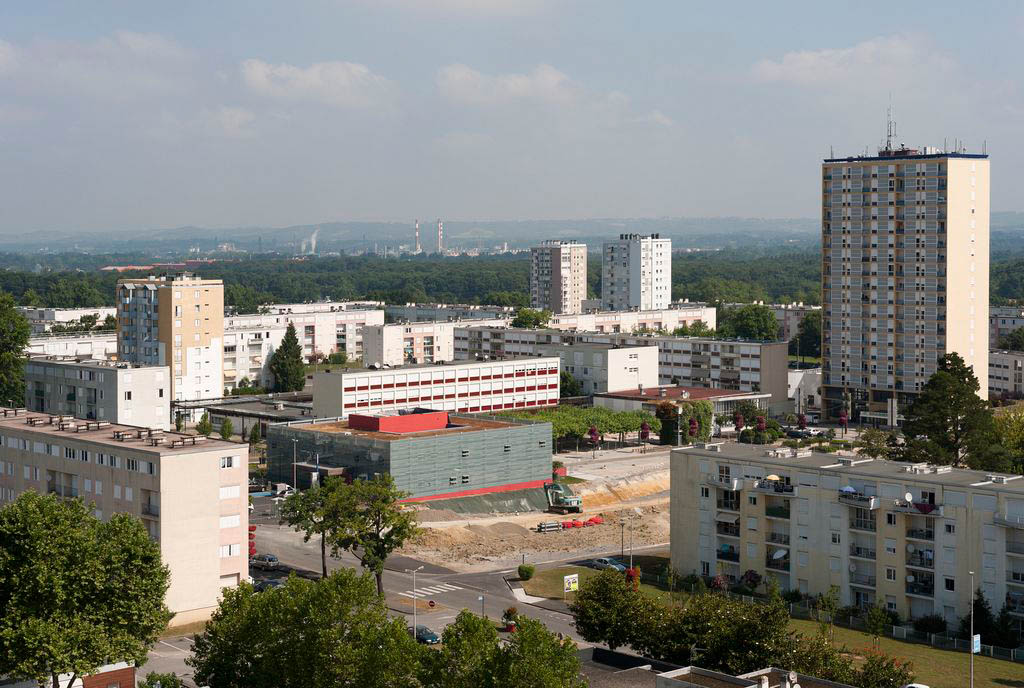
(910,548)
(793,678)
(909,497)
(848,489)
(910,579)
(780,554)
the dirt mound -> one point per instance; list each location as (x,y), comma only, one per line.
(598,493)
(499,530)
(434,515)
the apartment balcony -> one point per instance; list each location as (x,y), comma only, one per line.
(723,482)
(728,555)
(62,490)
(727,529)
(916,508)
(862,579)
(150,509)
(776,487)
(920,534)
(777,512)
(924,559)
(780,564)
(1015,604)
(916,589)
(866,524)
(1015,577)
(728,504)
(1009,521)
(1015,548)
(778,538)
(861,501)
(862,552)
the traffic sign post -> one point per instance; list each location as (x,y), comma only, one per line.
(430,604)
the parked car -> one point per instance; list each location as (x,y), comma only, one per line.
(267,562)
(797,434)
(426,636)
(607,563)
(267,585)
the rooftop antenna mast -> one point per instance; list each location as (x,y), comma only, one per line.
(890,126)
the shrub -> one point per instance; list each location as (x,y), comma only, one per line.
(931,623)
(510,615)
(750,578)
(792,444)
(526,571)
(793,596)
(747,435)
(740,589)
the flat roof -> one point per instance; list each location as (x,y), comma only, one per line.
(457,424)
(264,409)
(57,359)
(870,469)
(103,432)
(688,393)
(895,155)
(437,366)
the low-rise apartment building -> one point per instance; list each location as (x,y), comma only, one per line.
(1005,374)
(443,312)
(1002,320)
(98,389)
(43,319)
(190,492)
(901,535)
(659,320)
(738,365)
(416,342)
(648,399)
(99,344)
(472,387)
(789,316)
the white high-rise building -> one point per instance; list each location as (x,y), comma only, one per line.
(636,273)
(558,276)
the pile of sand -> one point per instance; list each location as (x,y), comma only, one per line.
(435,515)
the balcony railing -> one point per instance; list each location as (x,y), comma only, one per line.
(729,504)
(728,555)
(862,579)
(1015,577)
(857,499)
(62,490)
(864,524)
(917,508)
(920,534)
(923,560)
(730,529)
(1009,521)
(777,564)
(775,487)
(777,512)
(862,552)
(778,538)
(1015,605)
(723,482)
(922,589)
(1015,547)
(151,509)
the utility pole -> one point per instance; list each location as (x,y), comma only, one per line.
(972,627)
(295,484)
(414,599)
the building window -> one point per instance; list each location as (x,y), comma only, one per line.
(230,521)
(227,462)
(950,528)
(890,573)
(835,538)
(752,500)
(951,584)
(890,519)
(132,464)
(128,395)
(705,492)
(705,568)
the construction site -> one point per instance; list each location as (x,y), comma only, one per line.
(622,497)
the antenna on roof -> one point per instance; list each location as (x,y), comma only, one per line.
(890,125)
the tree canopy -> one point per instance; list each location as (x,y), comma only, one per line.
(286,363)
(752,321)
(14,334)
(1014,341)
(76,592)
(807,341)
(531,318)
(576,421)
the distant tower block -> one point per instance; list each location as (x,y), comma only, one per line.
(440,236)
(418,248)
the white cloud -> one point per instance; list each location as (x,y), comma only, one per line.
(878,60)
(342,84)
(544,84)
(232,122)
(655,117)
(148,45)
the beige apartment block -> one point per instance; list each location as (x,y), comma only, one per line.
(662,319)
(416,342)
(1005,374)
(176,321)
(636,273)
(901,535)
(905,265)
(190,492)
(87,344)
(558,276)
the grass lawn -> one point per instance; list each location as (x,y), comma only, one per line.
(934,668)
(548,583)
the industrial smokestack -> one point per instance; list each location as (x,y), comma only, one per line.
(312,240)
(440,236)
(418,249)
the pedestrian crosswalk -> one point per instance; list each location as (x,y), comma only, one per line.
(429,591)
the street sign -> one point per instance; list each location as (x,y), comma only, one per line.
(571,583)
(976,644)
(431,604)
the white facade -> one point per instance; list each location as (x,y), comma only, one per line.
(99,390)
(1002,320)
(805,389)
(789,316)
(84,344)
(416,342)
(472,387)
(441,312)
(42,319)
(636,273)
(319,329)
(558,276)
(666,319)
(190,492)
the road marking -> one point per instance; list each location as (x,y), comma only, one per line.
(449,586)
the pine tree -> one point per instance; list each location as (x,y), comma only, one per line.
(948,420)
(204,426)
(227,429)
(286,364)
(984,619)
(254,434)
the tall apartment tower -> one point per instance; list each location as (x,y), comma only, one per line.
(176,322)
(636,273)
(905,259)
(558,276)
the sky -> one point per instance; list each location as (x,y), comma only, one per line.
(129,116)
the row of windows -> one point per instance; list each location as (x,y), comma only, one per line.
(76,454)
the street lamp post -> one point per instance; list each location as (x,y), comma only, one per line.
(972,627)
(295,444)
(483,614)
(414,599)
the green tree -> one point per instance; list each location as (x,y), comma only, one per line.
(828,605)
(984,619)
(882,671)
(204,427)
(951,417)
(534,658)
(369,522)
(31,298)
(469,647)
(312,513)
(807,341)
(877,444)
(570,386)
(254,434)
(752,321)
(109,323)
(876,620)
(76,592)
(531,318)
(333,632)
(14,334)
(606,609)
(286,363)
(157,680)
(227,429)
(1014,341)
